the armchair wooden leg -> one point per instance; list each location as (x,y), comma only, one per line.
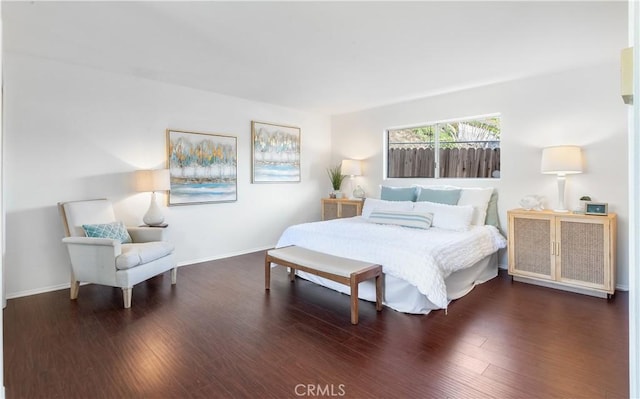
(174,275)
(74,288)
(126,295)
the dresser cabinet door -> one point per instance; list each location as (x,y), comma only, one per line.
(531,247)
(583,256)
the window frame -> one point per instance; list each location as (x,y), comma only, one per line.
(436,144)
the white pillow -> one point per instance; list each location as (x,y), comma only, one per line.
(479,199)
(373,203)
(449,217)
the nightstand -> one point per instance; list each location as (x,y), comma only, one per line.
(573,252)
(334,208)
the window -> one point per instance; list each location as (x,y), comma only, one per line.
(466,148)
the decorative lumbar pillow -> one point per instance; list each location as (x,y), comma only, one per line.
(479,199)
(419,220)
(115,231)
(440,196)
(398,193)
(449,217)
(373,203)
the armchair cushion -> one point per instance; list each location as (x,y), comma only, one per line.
(146,234)
(115,230)
(133,255)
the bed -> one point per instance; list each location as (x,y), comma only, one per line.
(424,268)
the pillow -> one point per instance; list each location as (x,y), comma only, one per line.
(115,230)
(492,211)
(479,199)
(449,217)
(398,193)
(372,203)
(447,196)
(419,220)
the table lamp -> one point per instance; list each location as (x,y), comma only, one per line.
(153,181)
(561,161)
(351,168)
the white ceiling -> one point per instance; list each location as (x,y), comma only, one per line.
(327,57)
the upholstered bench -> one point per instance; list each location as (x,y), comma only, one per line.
(342,270)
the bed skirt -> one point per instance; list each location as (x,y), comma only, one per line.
(404,297)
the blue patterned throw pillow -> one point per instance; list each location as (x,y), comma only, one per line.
(115,230)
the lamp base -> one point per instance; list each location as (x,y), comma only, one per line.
(561,182)
(154,216)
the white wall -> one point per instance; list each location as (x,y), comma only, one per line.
(77,133)
(2,241)
(581,107)
(634,212)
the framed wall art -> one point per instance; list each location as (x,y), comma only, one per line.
(275,153)
(203,167)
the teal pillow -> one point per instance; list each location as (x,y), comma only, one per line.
(492,211)
(449,197)
(419,220)
(115,231)
(398,193)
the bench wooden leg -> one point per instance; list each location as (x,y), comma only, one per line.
(379,292)
(354,300)
(267,273)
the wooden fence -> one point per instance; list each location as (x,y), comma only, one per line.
(454,162)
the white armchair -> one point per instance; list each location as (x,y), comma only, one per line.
(108,261)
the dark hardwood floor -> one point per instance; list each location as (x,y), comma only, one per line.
(218,334)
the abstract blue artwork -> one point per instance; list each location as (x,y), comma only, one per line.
(275,153)
(203,167)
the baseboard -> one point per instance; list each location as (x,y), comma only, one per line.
(224,256)
(66,286)
(39,290)
(193,262)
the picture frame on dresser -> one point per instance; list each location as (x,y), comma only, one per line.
(596,208)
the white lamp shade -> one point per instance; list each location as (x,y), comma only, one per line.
(561,160)
(351,167)
(152,180)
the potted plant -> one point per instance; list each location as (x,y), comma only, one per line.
(583,202)
(335,177)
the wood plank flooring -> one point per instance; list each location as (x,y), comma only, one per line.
(218,334)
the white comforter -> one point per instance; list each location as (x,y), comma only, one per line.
(424,258)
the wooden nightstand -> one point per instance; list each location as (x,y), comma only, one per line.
(334,208)
(573,252)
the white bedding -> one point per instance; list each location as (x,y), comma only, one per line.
(424,258)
